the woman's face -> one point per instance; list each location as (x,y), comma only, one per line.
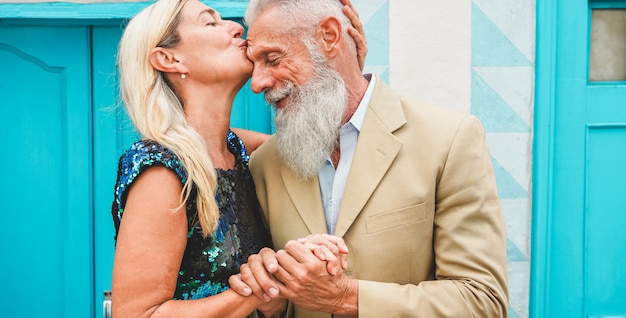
(211,48)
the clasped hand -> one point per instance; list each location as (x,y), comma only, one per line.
(308,271)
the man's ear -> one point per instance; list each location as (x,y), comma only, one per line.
(164,61)
(330,35)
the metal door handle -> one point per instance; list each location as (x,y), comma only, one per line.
(106,305)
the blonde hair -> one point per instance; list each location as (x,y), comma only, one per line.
(155,109)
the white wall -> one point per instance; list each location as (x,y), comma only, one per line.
(430,51)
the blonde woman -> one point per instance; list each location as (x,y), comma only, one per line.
(185,210)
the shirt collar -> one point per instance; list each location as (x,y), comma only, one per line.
(359,115)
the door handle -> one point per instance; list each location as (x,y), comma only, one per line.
(106,305)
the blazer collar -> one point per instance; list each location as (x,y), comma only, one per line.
(376,149)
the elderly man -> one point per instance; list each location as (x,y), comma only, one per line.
(409,187)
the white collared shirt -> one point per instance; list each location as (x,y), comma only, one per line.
(333,181)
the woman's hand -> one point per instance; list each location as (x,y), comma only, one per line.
(356,32)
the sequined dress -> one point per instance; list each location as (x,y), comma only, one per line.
(207,262)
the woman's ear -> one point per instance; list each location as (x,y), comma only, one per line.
(330,35)
(164,61)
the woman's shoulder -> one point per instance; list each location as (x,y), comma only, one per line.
(145,153)
(148,149)
(139,157)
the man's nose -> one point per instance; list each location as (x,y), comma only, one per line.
(262,80)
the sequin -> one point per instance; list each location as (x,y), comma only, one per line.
(207,262)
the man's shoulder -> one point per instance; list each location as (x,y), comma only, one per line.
(400,111)
(386,100)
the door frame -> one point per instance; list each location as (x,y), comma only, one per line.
(100,11)
(543,152)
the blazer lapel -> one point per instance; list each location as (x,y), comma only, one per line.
(376,149)
(306,198)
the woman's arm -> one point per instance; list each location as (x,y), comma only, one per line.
(150,246)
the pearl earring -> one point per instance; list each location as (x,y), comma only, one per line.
(182,75)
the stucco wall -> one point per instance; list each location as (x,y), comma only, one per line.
(430,51)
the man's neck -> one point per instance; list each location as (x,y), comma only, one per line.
(356,89)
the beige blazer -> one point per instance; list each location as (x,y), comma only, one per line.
(420,212)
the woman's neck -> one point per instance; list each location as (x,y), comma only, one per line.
(210,117)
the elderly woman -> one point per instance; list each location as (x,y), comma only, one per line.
(185,210)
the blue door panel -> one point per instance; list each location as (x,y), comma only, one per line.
(605,241)
(47,174)
(606,103)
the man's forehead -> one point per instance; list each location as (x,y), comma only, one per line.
(264,37)
(267,25)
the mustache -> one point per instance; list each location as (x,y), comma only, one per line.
(272,96)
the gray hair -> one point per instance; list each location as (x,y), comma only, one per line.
(302,14)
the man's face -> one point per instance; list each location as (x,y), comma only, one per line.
(280,58)
(310,97)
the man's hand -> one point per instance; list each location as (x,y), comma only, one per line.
(318,255)
(306,281)
(328,248)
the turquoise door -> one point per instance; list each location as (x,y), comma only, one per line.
(579,242)
(47,268)
(63,133)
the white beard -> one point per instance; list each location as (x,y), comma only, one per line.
(307,127)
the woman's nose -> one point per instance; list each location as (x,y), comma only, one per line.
(237,29)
